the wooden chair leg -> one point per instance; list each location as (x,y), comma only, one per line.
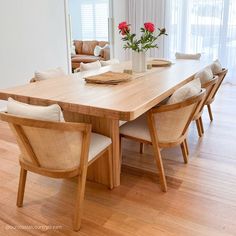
(201,124)
(199,128)
(141,150)
(184,152)
(79,201)
(120,148)
(110,168)
(21,187)
(160,168)
(210,112)
(186,146)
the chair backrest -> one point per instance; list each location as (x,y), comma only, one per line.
(171,122)
(179,55)
(52,146)
(221,77)
(48,74)
(209,87)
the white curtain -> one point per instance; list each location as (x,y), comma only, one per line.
(205,26)
(141,11)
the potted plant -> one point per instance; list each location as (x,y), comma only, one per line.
(141,45)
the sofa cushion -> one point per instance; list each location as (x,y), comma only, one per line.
(78,46)
(90,66)
(49,74)
(216,67)
(88,47)
(188,90)
(102,43)
(205,75)
(50,113)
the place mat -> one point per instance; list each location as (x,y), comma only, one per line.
(160,62)
(109,78)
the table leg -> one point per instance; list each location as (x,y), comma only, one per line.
(98,171)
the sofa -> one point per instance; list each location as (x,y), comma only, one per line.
(85,52)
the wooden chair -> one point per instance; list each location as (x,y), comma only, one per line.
(58,150)
(212,95)
(163,127)
(209,87)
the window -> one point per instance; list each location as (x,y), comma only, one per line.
(89,19)
(205,26)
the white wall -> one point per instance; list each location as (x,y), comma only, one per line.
(33,37)
(119,15)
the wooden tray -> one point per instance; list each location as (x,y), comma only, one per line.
(160,62)
(109,78)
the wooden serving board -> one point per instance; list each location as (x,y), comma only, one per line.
(109,78)
(160,62)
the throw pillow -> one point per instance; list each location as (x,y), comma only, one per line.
(188,90)
(49,74)
(110,62)
(205,75)
(216,67)
(49,113)
(179,55)
(98,50)
(90,66)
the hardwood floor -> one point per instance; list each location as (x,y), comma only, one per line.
(201,197)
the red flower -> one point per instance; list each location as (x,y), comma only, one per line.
(124,28)
(149,27)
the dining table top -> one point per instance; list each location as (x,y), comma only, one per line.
(124,101)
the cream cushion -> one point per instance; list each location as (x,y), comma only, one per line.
(188,90)
(49,74)
(137,128)
(110,62)
(98,50)
(122,122)
(216,67)
(179,55)
(98,143)
(90,66)
(50,113)
(205,75)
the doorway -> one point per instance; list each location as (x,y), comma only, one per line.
(89,24)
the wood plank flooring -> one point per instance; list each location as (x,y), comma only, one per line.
(201,197)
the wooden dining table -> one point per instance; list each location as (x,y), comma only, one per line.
(104,106)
